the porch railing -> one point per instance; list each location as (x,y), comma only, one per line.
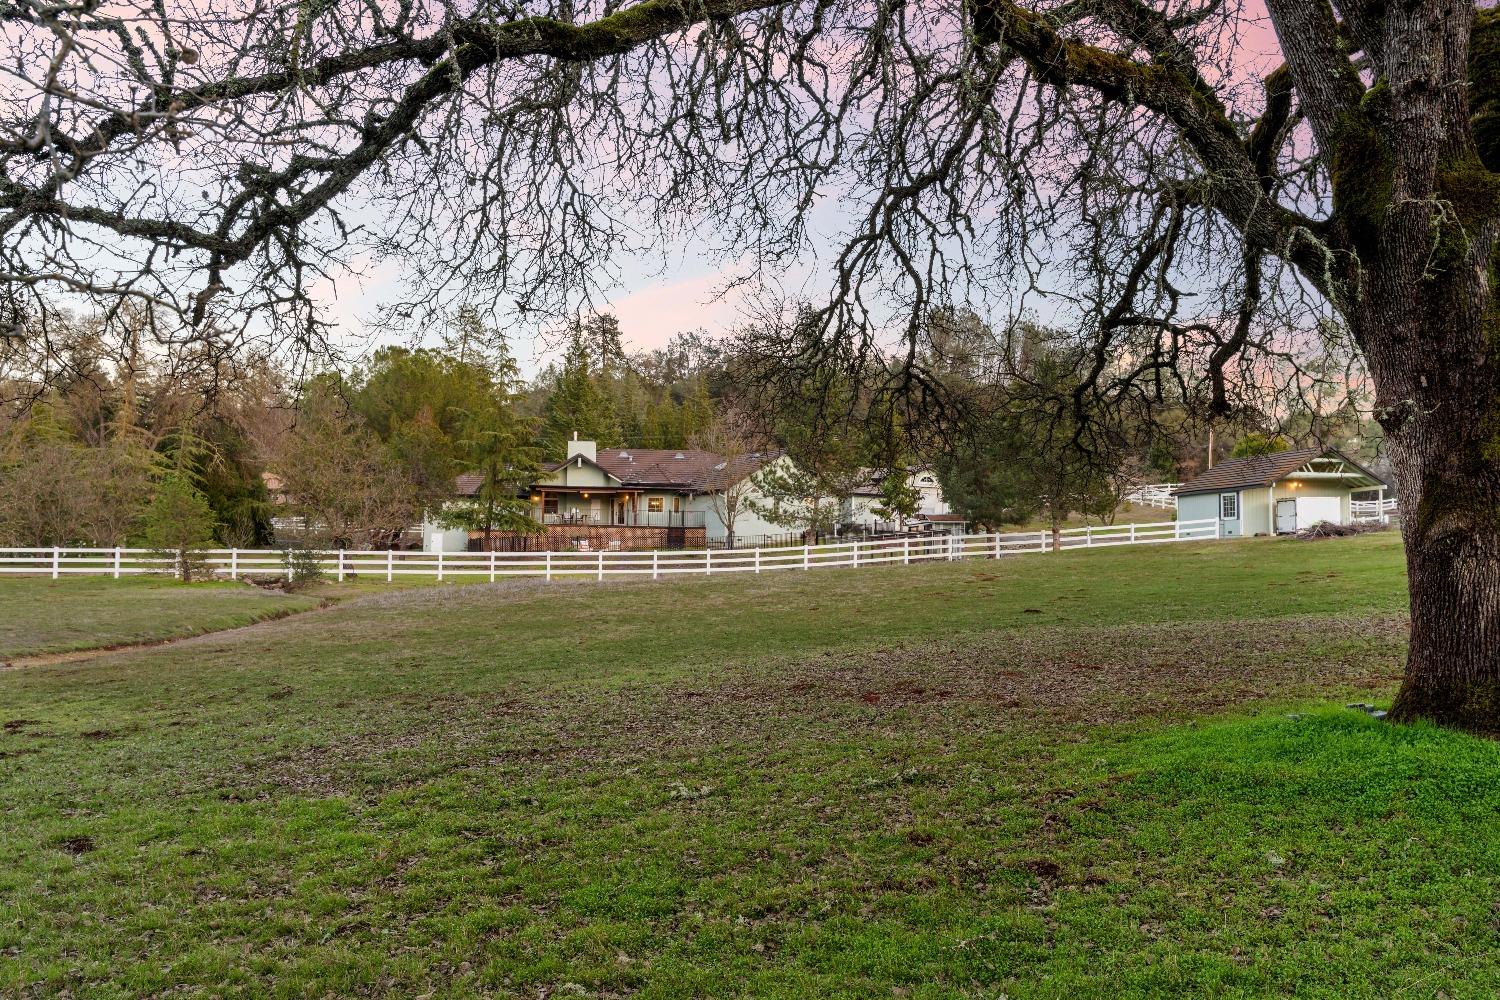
(629,519)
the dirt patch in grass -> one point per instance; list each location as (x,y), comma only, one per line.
(1002,680)
(1091,676)
(76,845)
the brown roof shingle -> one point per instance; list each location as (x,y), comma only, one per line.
(685,468)
(663,468)
(1258,470)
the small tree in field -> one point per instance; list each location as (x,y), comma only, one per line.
(899,499)
(179,522)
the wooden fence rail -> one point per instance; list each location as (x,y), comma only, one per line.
(343,564)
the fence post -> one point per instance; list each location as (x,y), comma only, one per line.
(856,553)
(1041,541)
(806,557)
(1176,531)
(492,565)
(1218,527)
(440,565)
(906,551)
(117,562)
(757,559)
(549,565)
(1088,535)
(655,553)
(708,562)
(341,566)
(1132,532)
(56,561)
(601,565)
(390,560)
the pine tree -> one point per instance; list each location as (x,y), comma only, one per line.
(697,412)
(578,404)
(179,522)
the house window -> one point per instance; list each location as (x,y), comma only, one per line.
(1229,506)
(549,504)
(677,505)
(656,505)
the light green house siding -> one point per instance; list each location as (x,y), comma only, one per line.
(1203,506)
(578,473)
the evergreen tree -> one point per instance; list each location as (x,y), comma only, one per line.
(578,404)
(697,412)
(601,335)
(1257,443)
(179,522)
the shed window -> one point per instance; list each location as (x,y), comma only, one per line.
(655,505)
(1229,506)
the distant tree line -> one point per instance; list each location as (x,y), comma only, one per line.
(345,457)
(353,457)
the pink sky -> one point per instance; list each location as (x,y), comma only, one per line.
(655,302)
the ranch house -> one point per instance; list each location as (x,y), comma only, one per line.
(625,499)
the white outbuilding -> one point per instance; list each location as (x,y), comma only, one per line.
(1276,494)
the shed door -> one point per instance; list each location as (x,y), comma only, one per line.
(1311,510)
(1286,516)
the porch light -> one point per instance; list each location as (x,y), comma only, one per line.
(536,498)
(585,496)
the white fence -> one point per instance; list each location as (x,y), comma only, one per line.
(1372,510)
(1158,495)
(344,564)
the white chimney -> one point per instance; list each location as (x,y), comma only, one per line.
(585,448)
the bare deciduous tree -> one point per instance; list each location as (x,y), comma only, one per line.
(734,437)
(1123,157)
(336,474)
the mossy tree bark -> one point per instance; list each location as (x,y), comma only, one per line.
(1432,348)
(1417,212)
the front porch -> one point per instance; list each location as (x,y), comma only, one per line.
(612,507)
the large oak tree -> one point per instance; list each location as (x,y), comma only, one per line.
(1189,203)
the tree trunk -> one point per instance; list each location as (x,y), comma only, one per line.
(1432,335)
(1417,213)
(1445,462)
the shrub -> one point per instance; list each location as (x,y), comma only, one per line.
(302,567)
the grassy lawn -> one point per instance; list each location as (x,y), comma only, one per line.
(39,615)
(1049,776)
(1126,513)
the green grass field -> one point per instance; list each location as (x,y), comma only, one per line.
(40,616)
(1048,776)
